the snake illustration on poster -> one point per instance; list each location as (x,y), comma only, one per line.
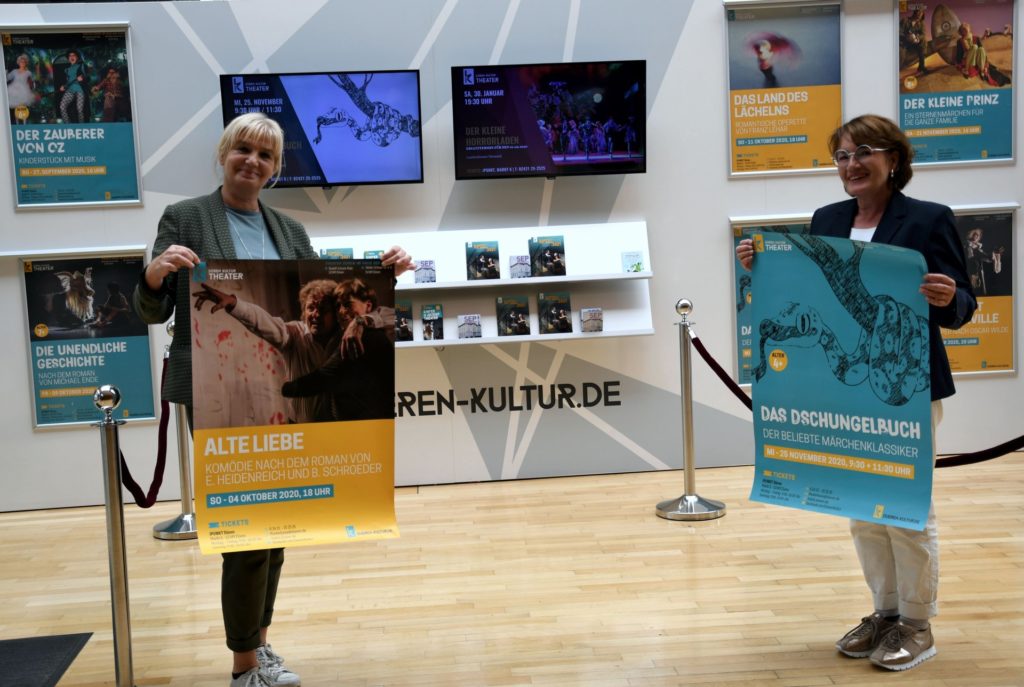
(294,406)
(955,79)
(842,409)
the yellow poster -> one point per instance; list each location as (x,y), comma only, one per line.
(293,387)
(986,344)
(785,94)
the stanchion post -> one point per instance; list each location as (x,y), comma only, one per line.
(183,526)
(107,398)
(689,506)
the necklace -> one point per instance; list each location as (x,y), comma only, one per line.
(248,253)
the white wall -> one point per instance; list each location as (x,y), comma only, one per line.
(685,197)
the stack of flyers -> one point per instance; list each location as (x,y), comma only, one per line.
(433,322)
(591,319)
(469,326)
(519,267)
(425,272)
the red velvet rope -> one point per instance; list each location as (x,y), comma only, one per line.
(146,500)
(947,462)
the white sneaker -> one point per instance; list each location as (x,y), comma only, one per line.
(250,678)
(273,670)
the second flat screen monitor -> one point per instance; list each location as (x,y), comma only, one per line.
(549,120)
(340,128)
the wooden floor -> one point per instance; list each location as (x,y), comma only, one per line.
(563,582)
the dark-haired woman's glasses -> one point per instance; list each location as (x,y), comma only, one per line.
(842,157)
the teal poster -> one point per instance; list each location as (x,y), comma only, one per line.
(82,334)
(70,117)
(955,76)
(841,397)
(743,296)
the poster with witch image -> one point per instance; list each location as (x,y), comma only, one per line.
(293,386)
(841,383)
(955,79)
(82,334)
(73,139)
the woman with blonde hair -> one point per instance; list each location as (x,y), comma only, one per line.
(232,223)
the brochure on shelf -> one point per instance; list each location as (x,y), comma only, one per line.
(336,253)
(632,261)
(554,312)
(547,256)
(519,267)
(469,326)
(432,317)
(591,319)
(513,314)
(482,260)
(425,273)
(403,320)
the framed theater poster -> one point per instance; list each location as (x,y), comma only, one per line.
(987,343)
(70,115)
(83,333)
(785,85)
(955,79)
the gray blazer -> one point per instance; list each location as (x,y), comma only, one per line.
(202,225)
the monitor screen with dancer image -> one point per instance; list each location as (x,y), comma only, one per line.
(549,120)
(340,128)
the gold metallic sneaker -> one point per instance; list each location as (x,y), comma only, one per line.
(865,638)
(904,647)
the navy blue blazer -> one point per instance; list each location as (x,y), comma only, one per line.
(930,229)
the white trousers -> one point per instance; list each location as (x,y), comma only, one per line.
(901,566)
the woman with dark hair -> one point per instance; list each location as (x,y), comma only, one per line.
(901,566)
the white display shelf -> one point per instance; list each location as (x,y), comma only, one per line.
(524,282)
(575,336)
(594,278)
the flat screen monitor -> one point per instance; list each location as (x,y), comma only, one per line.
(549,120)
(340,128)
